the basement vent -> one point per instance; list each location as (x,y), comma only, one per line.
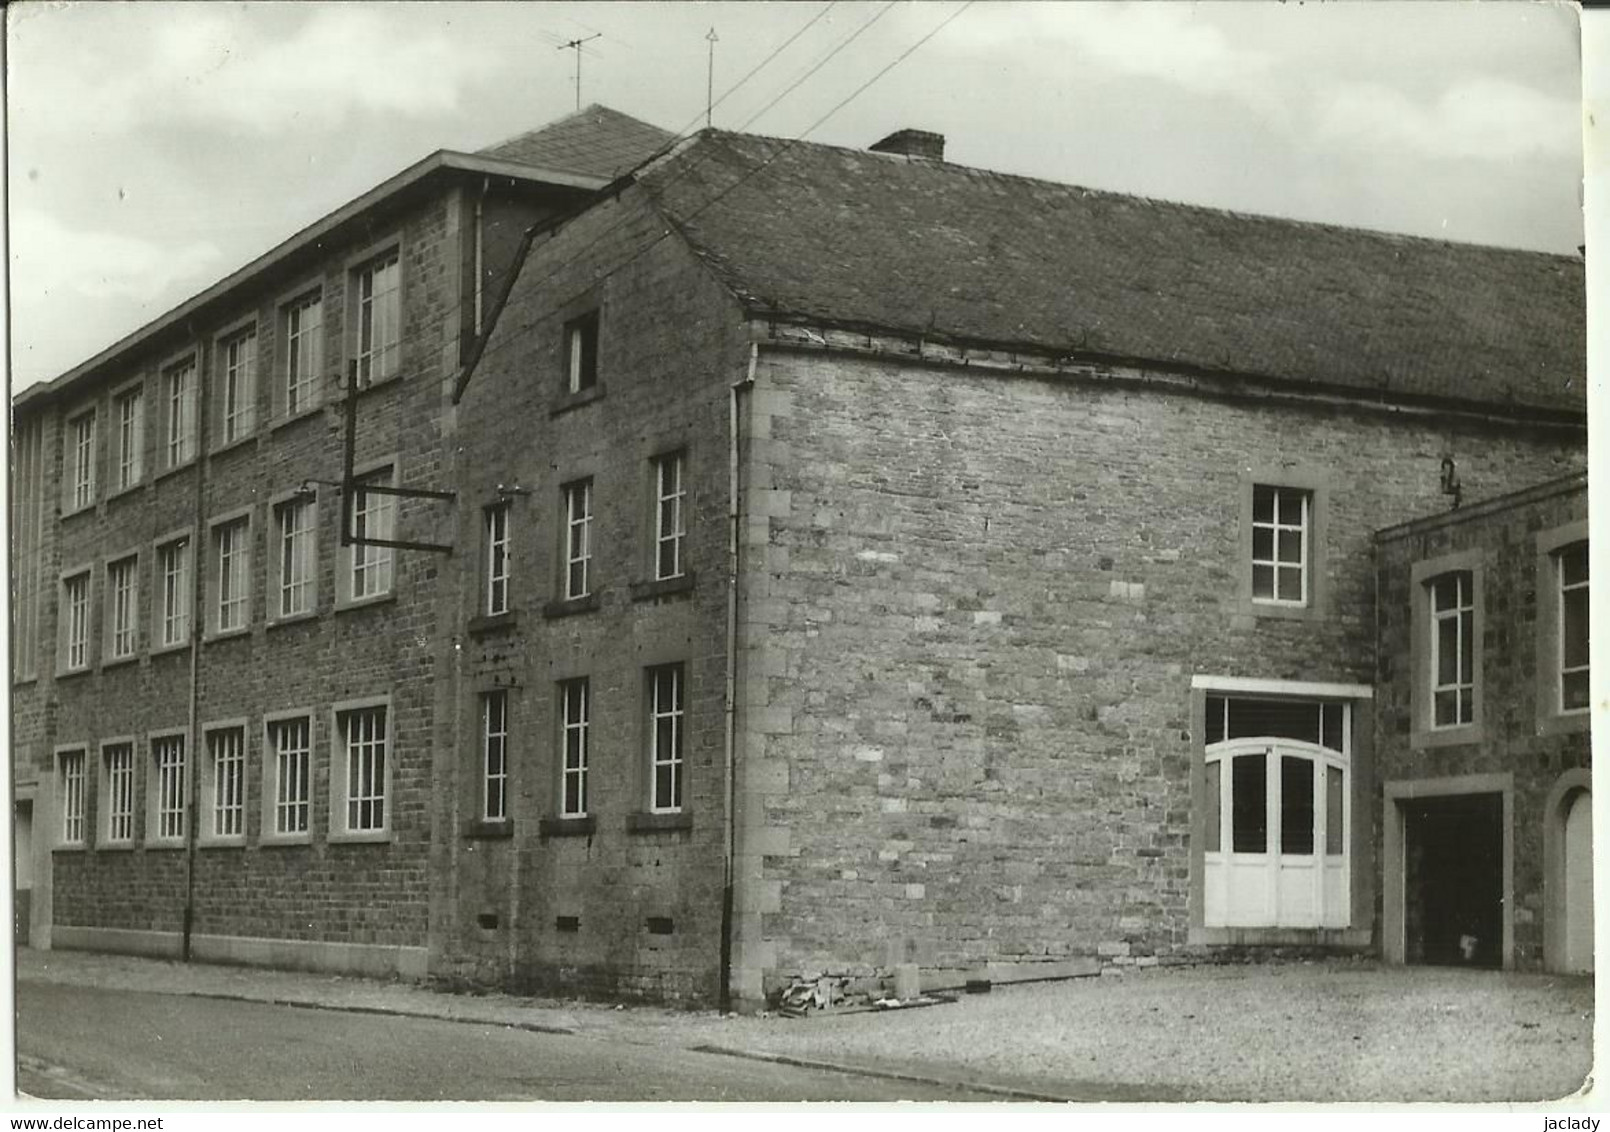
(659,925)
(488,920)
(567,923)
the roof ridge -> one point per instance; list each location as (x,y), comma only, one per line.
(1164,202)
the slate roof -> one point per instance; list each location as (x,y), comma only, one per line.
(596,141)
(850,238)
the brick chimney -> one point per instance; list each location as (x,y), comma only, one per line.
(913,143)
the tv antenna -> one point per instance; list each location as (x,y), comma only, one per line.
(575,45)
(710,76)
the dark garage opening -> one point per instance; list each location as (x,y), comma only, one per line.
(1453,890)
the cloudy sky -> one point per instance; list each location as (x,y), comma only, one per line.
(154,148)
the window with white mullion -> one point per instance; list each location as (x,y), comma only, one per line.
(72,797)
(83,440)
(228,751)
(180,412)
(669,528)
(304,353)
(379,319)
(373,516)
(120,792)
(578,538)
(497,559)
(1453,679)
(230,545)
(1572,566)
(294,519)
(174,563)
(1280,526)
(75,602)
(495,755)
(575,716)
(121,588)
(239,401)
(169,756)
(292,743)
(364,732)
(665,737)
(130,438)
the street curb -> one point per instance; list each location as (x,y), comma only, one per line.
(387,1011)
(1002,1091)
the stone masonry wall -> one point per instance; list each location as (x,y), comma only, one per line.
(567,907)
(974,607)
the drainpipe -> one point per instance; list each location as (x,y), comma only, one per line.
(193,755)
(734,518)
(480,251)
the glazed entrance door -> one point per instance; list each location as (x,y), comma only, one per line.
(1276,852)
(1579,884)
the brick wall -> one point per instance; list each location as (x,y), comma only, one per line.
(670,345)
(973,609)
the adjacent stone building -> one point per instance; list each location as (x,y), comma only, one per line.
(859,560)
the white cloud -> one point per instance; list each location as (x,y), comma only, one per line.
(49,258)
(1482,119)
(1169,43)
(200,64)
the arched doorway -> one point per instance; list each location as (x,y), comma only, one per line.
(1568,874)
(1578,950)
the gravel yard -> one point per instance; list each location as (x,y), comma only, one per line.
(1322,1032)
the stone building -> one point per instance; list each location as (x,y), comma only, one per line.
(1483,712)
(859,560)
(185,618)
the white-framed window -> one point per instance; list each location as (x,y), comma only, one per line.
(295,562)
(361,771)
(173,592)
(497,558)
(1453,649)
(122,599)
(167,789)
(578,537)
(75,621)
(225,785)
(70,790)
(231,547)
(289,763)
(575,709)
(304,352)
(495,755)
(581,352)
(81,461)
(1277,840)
(670,528)
(1571,574)
(665,737)
(237,385)
(374,515)
(179,412)
(129,414)
(1281,522)
(377,298)
(117,758)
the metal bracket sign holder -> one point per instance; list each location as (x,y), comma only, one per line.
(350,487)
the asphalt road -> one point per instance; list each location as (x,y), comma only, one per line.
(79,1042)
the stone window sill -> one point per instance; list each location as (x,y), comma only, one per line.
(652,823)
(491,623)
(584,826)
(291,418)
(663,587)
(119,661)
(576,400)
(1470,733)
(485,830)
(347,605)
(293,618)
(230,446)
(571,606)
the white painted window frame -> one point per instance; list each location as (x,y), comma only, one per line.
(76,617)
(342,771)
(81,450)
(237,384)
(172,604)
(498,560)
(179,412)
(295,546)
(673,709)
(670,534)
(122,608)
(224,795)
(304,351)
(495,755)
(72,789)
(118,791)
(575,728)
(167,789)
(1465,603)
(377,316)
(1276,527)
(279,801)
(128,413)
(230,539)
(578,496)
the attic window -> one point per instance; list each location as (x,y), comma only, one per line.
(581,352)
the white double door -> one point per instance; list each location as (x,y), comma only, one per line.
(1277,837)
